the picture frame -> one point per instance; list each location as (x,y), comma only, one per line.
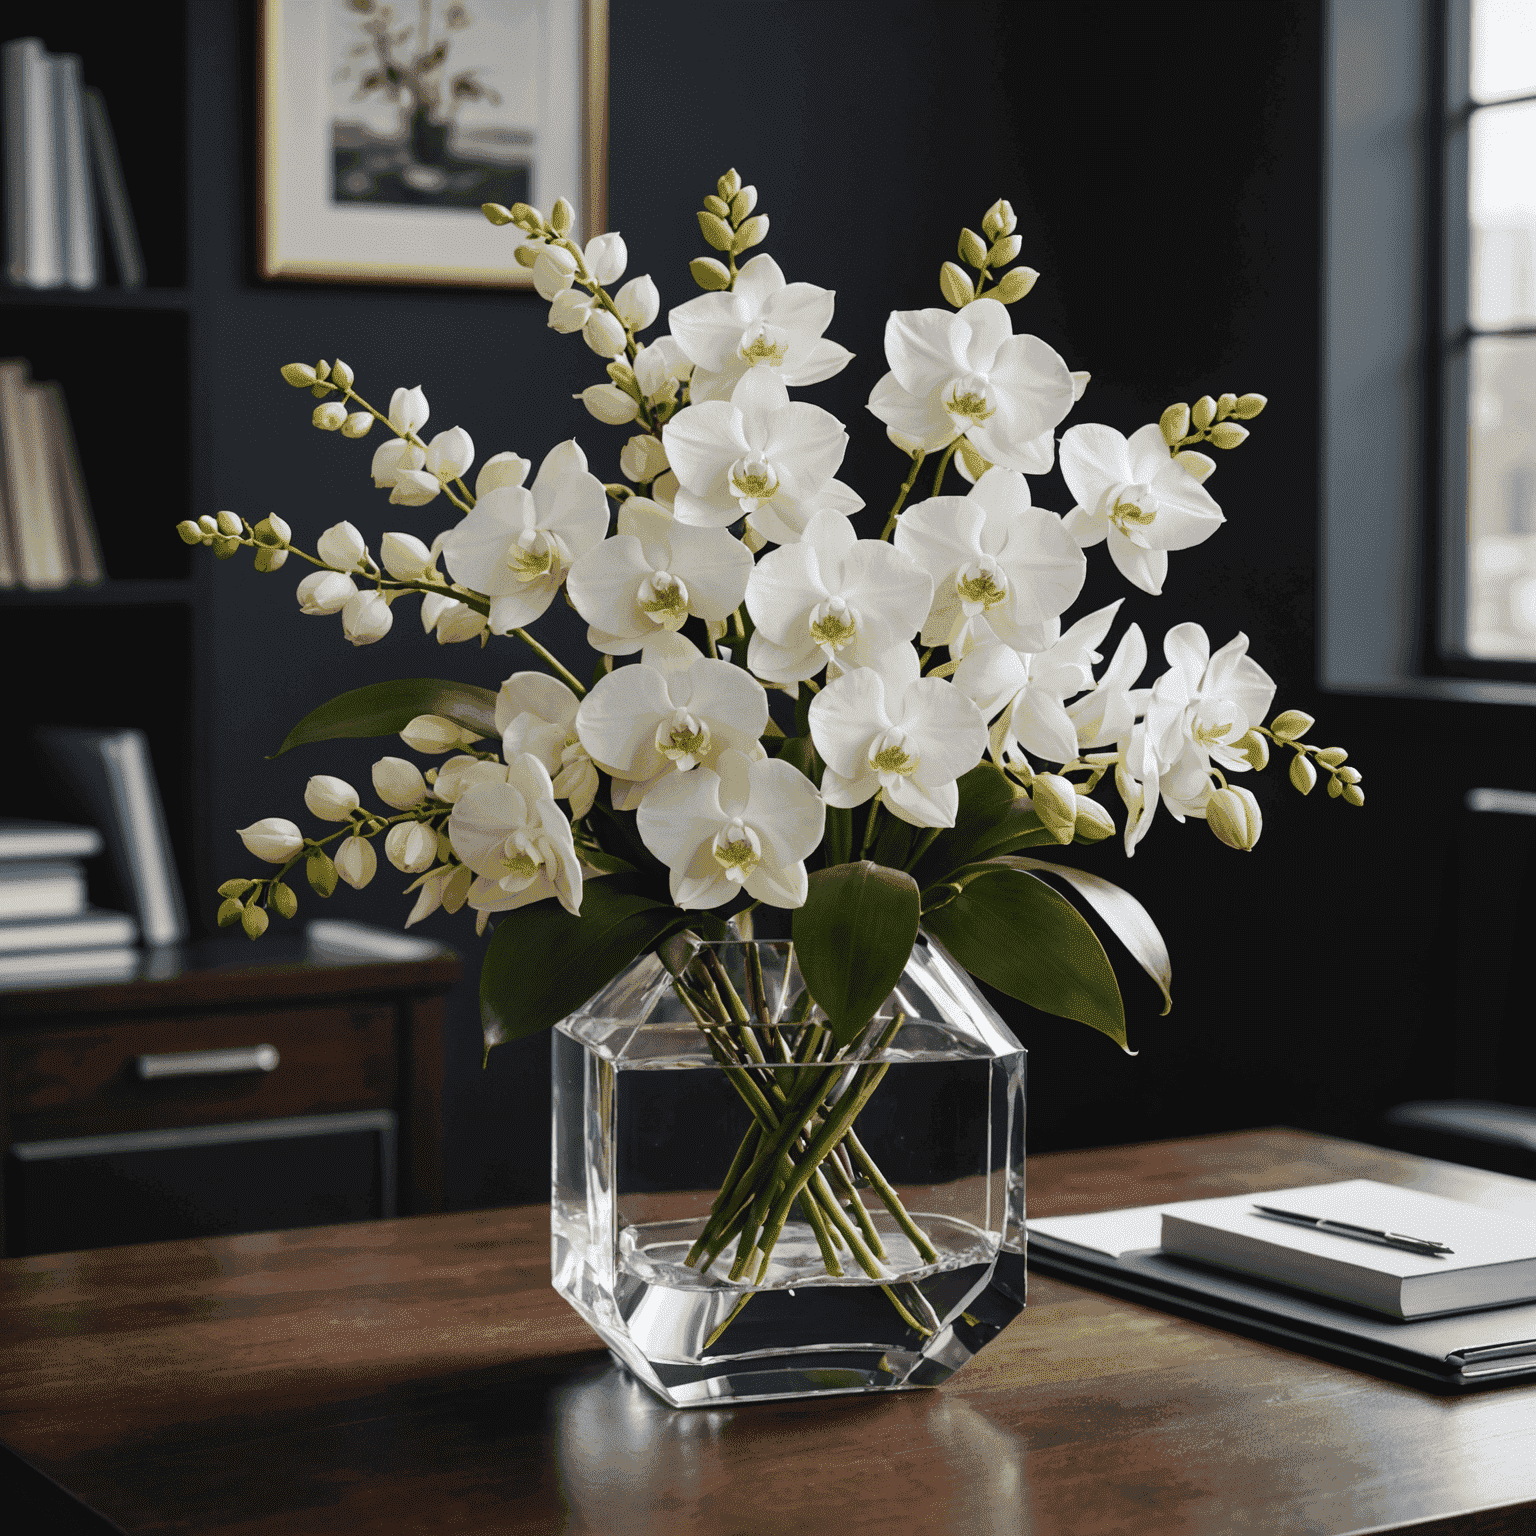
(373,166)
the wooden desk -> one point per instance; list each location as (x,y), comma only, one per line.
(420,1375)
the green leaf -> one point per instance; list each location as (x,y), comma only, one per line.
(1014,932)
(542,963)
(837,841)
(799,751)
(385,709)
(853,937)
(993,818)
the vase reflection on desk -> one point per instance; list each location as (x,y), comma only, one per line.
(901,1252)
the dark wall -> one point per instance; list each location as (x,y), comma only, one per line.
(1167,187)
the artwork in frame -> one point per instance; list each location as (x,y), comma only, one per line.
(385,127)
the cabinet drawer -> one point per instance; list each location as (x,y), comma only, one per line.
(88,1080)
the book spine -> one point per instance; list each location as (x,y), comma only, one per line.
(114,193)
(40,525)
(162,917)
(82,549)
(37,255)
(78,214)
(25,477)
(10,564)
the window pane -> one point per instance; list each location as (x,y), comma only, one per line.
(1501,498)
(1503,48)
(1502,194)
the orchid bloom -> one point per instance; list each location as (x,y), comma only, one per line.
(885,729)
(1106,714)
(1130,492)
(760,456)
(517,545)
(968,375)
(652,575)
(763,322)
(537,713)
(992,556)
(740,826)
(676,710)
(517,841)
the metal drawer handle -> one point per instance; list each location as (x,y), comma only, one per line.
(250,1058)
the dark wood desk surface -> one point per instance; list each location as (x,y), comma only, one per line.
(420,1375)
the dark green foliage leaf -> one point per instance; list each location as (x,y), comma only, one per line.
(799,751)
(542,963)
(1015,933)
(837,841)
(893,843)
(993,818)
(385,709)
(853,937)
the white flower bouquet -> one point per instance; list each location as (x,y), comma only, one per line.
(867,720)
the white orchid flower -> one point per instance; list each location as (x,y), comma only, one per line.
(342,546)
(451,620)
(604,334)
(554,270)
(518,842)
(1026,691)
(758,455)
(273,838)
(408,410)
(501,469)
(324,592)
(832,597)
(1106,714)
(1138,779)
(884,729)
(366,618)
(462,772)
(763,322)
(394,458)
(652,575)
(537,713)
(517,545)
(406,558)
(740,826)
(968,374)
(676,710)
(659,364)
(450,454)
(570,311)
(606,257)
(414,488)
(1129,491)
(638,303)
(994,556)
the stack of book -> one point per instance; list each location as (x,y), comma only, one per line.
(61,167)
(48,929)
(47,535)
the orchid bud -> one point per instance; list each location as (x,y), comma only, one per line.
(366,618)
(1332,757)
(972,248)
(268,559)
(229,524)
(1227,434)
(1303,774)
(525,255)
(320,871)
(715,230)
(609,404)
(229,912)
(1354,795)
(752,232)
(604,334)
(1198,466)
(1225,405)
(1234,816)
(188,532)
(450,454)
(561,217)
(1249,406)
(458,622)
(1094,823)
(1014,285)
(326,592)
(501,469)
(497,213)
(209,525)
(392,459)
(525,216)
(408,410)
(330,798)
(606,257)
(743,203)
(356,862)
(999,220)
(1056,803)
(1335,787)
(405,557)
(272,531)
(716,205)
(1291,725)
(414,488)
(1203,412)
(554,271)
(281,898)
(638,303)
(729,184)
(955,285)
(1174,423)
(273,839)
(1255,748)
(398,783)
(432,734)
(341,545)
(300,375)
(642,458)
(411,847)
(709,274)
(254,921)
(1004,250)
(341,375)
(225,547)
(569,311)
(330,417)
(1348,775)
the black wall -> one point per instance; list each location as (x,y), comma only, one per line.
(1166,177)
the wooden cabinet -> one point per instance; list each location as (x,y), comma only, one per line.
(238,1090)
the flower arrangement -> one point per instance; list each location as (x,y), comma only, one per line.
(868,720)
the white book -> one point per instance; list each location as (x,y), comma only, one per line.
(76,211)
(82,552)
(35,256)
(34,889)
(44,540)
(21,839)
(70,967)
(114,193)
(92,929)
(1492,1262)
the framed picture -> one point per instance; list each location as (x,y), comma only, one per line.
(384,127)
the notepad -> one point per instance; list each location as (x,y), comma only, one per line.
(1493,1263)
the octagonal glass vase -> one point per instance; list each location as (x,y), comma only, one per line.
(742,1211)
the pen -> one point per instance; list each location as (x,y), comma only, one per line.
(1425,1245)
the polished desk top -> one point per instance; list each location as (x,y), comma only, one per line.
(421,1375)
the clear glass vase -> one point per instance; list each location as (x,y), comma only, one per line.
(742,1211)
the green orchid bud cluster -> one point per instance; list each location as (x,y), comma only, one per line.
(228,533)
(322,379)
(1286,730)
(1213,421)
(728,223)
(987,253)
